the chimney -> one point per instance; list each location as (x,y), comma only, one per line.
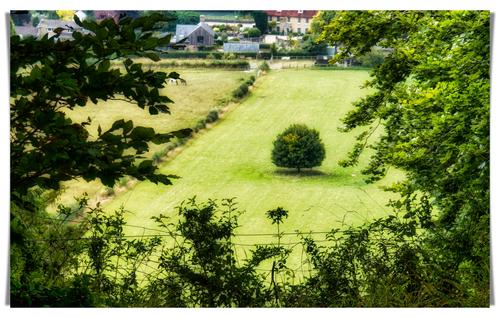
(202,18)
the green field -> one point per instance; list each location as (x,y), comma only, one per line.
(205,90)
(232,159)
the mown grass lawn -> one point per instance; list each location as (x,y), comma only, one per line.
(232,159)
(205,90)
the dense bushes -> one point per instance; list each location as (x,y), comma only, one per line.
(252,32)
(384,263)
(92,263)
(227,63)
(205,54)
(373,58)
(212,116)
(264,67)
(219,55)
(242,90)
(298,147)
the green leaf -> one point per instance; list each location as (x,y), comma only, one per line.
(161,138)
(161,178)
(146,166)
(104,66)
(182,133)
(173,75)
(117,124)
(77,20)
(128,62)
(152,56)
(153,110)
(142,133)
(127,127)
(164,40)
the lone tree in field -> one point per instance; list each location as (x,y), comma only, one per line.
(298,147)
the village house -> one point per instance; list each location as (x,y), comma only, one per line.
(196,35)
(47,26)
(290,21)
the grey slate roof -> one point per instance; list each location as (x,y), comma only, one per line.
(184,30)
(207,28)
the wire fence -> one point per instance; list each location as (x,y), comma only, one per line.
(298,268)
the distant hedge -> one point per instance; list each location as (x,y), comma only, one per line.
(204,54)
(218,55)
(242,90)
(231,64)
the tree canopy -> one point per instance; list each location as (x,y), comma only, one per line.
(298,147)
(432,95)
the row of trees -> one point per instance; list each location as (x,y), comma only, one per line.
(433,104)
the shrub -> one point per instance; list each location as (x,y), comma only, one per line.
(210,63)
(264,67)
(253,33)
(241,91)
(122,182)
(158,156)
(298,147)
(229,56)
(373,58)
(108,191)
(250,80)
(212,116)
(200,125)
(181,141)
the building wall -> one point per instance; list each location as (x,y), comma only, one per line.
(241,47)
(208,39)
(292,24)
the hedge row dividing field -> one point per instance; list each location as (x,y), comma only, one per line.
(233,159)
(205,90)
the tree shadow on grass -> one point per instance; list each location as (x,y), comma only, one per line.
(337,176)
(302,173)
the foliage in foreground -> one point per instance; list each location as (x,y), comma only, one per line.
(91,262)
(432,95)
(48,76)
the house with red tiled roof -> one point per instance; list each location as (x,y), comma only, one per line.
(287,21)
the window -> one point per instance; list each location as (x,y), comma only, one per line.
(199,39)
(299,30)
(301,11)
(270,18)
(307,20)
(299,19)
(278,28)
(288,19)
